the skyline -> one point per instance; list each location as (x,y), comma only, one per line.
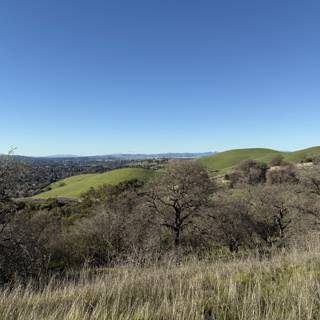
(158,76)
(13,150)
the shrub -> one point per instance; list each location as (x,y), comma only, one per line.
(281,175)
(277,161)
(253,172)
(316,160)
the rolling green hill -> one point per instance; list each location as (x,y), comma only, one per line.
(301,155)
(226,160)
(74,186)
(222,162)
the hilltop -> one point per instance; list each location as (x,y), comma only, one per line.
(224,161)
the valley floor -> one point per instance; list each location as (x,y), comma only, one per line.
(286,286)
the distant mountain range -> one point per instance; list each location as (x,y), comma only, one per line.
(124,156)
(138,156)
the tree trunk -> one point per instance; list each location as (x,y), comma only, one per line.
(177,238)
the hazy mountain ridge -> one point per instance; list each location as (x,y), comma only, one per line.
(129,156)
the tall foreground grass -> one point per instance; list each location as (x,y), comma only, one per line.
(286,286)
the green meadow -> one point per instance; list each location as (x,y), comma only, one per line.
(75,186)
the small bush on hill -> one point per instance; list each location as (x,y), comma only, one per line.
(281,175)
(248,172)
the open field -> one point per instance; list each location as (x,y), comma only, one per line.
(74,186)
(228,159)
(285,286)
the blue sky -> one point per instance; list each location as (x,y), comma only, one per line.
(96,77)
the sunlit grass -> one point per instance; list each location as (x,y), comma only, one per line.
(75,186)
(225,161)
(285,286)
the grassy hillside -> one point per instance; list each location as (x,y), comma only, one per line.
(280,288)
(228,159)
(301,155)
(74,186)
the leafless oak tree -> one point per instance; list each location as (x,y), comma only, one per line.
(178,195)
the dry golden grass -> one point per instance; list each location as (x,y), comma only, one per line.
(284,287)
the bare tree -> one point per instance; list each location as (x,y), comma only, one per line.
(18,245)
(250,172)
(253,171)
(274,206)
(310,179)
(229,222)
(283,175)
(7,172)
(25,250)
(178,195)
(277,160)
(308,191)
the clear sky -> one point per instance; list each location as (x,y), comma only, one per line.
(97,77)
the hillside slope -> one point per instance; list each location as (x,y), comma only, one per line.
(228,159)
(74,186)
(301,155)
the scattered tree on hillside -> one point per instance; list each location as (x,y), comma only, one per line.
(310,179)
(21,248)
(229,222)
(179,195)
(9,170)
(248,172)
(278,160)
(309,191)
(283,175)
(274,207)
(25,251)
(316,160)
(253,171)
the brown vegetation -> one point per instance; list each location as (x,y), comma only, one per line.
(180,214)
